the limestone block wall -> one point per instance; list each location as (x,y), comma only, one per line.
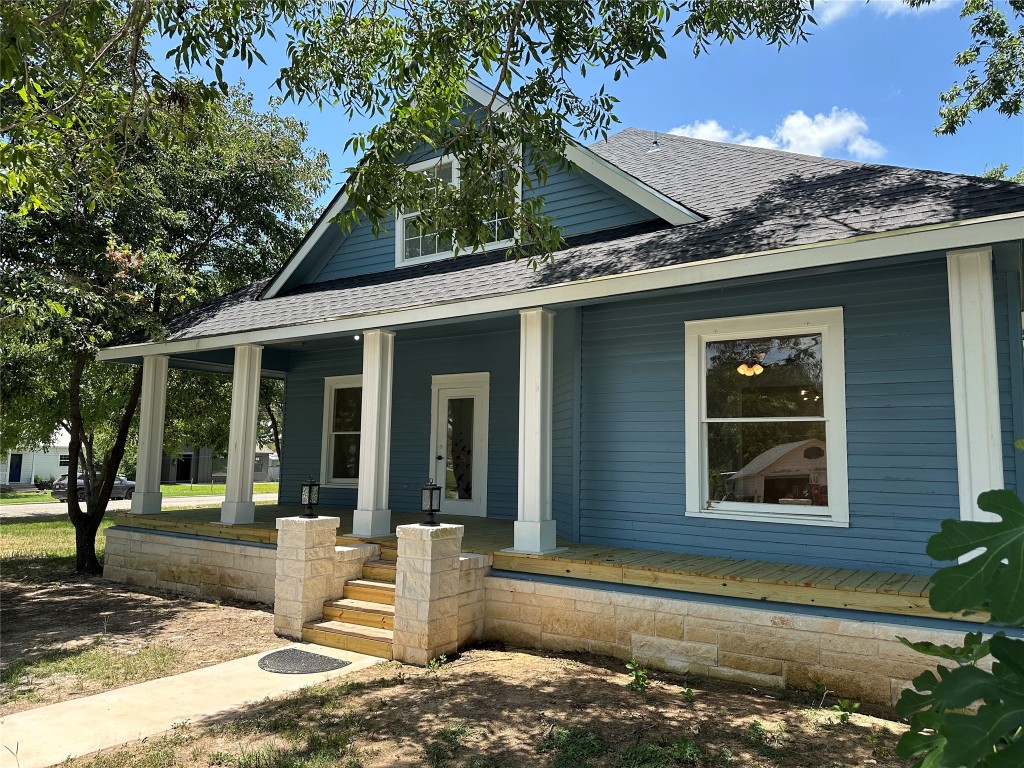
(855,659)
(191,565)
(472,571)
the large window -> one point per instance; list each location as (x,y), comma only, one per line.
(765,410)
(343,405)
(416,243)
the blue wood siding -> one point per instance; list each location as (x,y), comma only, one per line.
(578,202)
(1007,292)
(901,439)
(418,356)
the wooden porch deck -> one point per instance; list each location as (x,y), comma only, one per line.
(879,592)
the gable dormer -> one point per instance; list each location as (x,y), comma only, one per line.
(588,195)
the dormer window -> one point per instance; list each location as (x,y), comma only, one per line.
(417,243)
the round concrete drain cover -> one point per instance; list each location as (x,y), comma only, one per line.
(292,661)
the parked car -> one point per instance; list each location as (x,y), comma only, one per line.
(123,488)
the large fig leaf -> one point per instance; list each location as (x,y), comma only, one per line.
(994,579)
(974,649)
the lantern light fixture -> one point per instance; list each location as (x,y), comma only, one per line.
(430,502)
(310,496)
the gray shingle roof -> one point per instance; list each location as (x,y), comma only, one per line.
(753,199)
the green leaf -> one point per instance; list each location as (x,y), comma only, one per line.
(993,579)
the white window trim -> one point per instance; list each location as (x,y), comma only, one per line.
(400,218)
(332,383)
(829,323)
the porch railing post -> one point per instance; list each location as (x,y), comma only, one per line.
(372,517)
(238,507)
(535,528)
(146,498)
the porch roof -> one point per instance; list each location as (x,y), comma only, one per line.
(822,586)
(757,202)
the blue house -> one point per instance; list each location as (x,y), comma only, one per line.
(740,353)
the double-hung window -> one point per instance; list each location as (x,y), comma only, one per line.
(766,411)
(343,406)
(416,243)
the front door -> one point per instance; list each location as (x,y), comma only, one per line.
(459,442)
(14,469)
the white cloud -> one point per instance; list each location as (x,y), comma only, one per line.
(829,11)
(840,131)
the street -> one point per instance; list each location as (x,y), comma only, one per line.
(32,511)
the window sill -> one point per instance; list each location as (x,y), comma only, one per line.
(341,484)
(788,518)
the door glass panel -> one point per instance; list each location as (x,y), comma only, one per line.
(458,483)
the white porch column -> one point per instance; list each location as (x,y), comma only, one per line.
(535,529)
(238,506)
(979,452)
(146,498)
(372,516)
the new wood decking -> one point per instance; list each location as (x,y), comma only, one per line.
(880,592)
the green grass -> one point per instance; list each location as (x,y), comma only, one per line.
(97,663)
(211,490)
(572,747)
(25,497)
(41,549)
(169,491)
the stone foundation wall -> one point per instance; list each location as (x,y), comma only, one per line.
(473,570)
(191,565)
(855,659)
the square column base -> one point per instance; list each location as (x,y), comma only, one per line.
(371,522)
(147,503)
(535,537)
(237,512)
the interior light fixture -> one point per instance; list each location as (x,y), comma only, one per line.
(752,367)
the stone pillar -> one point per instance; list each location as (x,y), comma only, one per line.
(979,452)
(238,506)
(146,498)
(371,516)
(305,571)
(427,592)
(534,530)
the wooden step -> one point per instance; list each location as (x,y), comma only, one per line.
(372,641)
(370,591)
(389,552)
(380,570)
(360,612)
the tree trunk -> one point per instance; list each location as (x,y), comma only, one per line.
(86,560)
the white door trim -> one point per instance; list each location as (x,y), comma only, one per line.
(478,386)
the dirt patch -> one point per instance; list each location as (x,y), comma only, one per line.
(61,640)
(494,708)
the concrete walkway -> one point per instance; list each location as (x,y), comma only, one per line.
(50,509)
(48,735)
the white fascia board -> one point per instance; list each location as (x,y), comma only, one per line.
(326,220)
(936,237)
(608,173)
(629,186)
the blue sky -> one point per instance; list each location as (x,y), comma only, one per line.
(865,86)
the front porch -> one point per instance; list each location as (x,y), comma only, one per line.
(754,580)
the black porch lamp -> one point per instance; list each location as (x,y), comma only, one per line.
(430,502)
(310,496)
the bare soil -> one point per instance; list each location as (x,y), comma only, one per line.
(497,708)
(55,621)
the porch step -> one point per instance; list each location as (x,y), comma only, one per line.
(361,612)
(389,552)
(380,570)
(370,591)
(373,641)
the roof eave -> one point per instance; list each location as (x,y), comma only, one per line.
(945,237)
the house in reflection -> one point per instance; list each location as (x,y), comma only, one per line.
(791,473)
